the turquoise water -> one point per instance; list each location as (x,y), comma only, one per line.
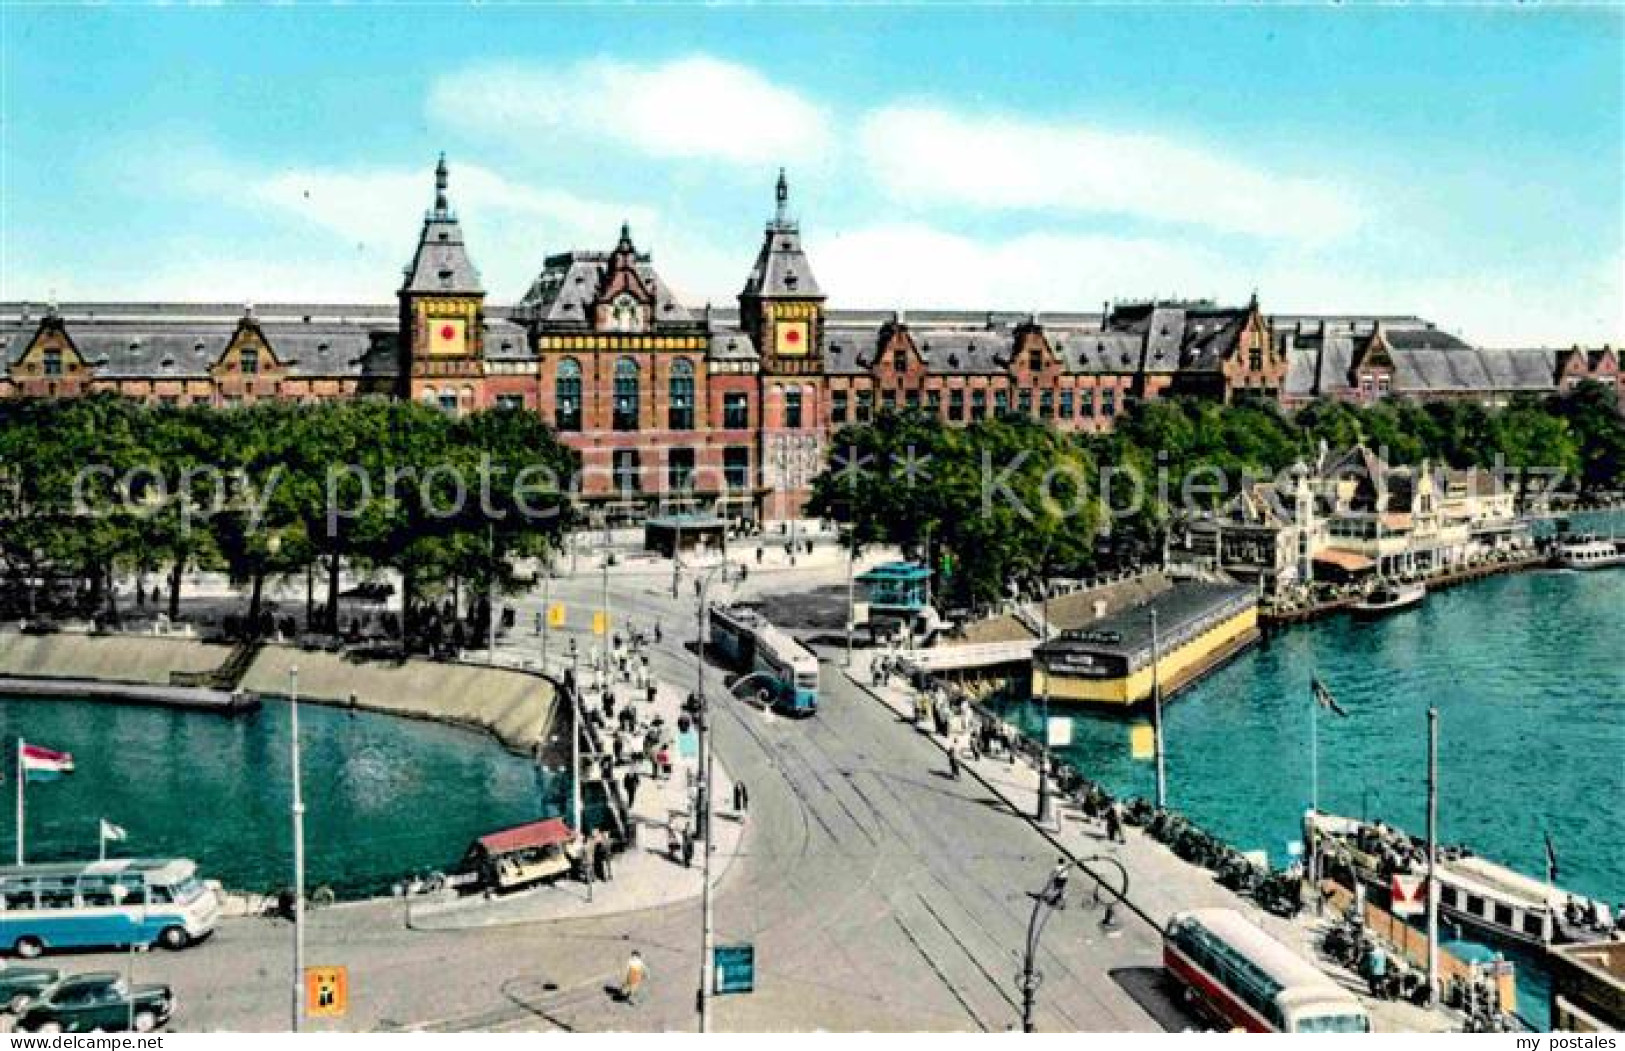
(1529,677)
(1528,674)
(384,796)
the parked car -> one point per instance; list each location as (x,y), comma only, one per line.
(101,1000)
(19,985)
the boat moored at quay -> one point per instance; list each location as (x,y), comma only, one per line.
(1389,598)
(1474,892)
(1588,552)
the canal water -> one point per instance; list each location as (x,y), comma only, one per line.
(1528,674)
(384,796)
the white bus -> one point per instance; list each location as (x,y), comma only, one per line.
(1248,980)
(111,903)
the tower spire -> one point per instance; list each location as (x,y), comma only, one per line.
(782,193)
(440,205)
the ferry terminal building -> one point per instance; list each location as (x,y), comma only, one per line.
(729,411)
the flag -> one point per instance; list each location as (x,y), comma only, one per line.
(1324,698)
(42,764)
(1551,860)
(113,832)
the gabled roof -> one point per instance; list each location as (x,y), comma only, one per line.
(441,263)
(565,291)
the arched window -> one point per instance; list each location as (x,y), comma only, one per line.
(682,395)
(626,395)
(567,396)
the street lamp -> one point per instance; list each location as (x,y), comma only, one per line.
(1053,899)
(707,759)
(298,855)
(1045,903)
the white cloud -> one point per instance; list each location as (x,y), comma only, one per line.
(917,266)
(690,108)
(936,157)
(370,219)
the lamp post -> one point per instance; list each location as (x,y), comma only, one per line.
(1156,714)
(1045,903)
(851,593)
(707,762)
(298,855)
(1045,808)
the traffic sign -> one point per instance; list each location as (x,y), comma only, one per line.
(327,991)
(1405,895)
(734,967)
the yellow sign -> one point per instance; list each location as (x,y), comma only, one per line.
(600,622)
(794,338)
(448,337)
(1142,741)
(555,615)
(327,991)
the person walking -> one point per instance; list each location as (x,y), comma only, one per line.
(606,853)
(630,783)
(741,797)
(635,983)
(953,761)
(688,849)
(1114,825)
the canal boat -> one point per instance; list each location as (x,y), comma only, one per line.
(1475,893)
(1588,552)
(1389,598)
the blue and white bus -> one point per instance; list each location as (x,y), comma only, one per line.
(752,644)
(113,903)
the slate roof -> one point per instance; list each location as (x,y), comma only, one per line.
(441,263)
(731,345)
(187,350)
(566,289)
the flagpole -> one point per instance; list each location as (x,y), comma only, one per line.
(1314,790)
(1433,857)
(21,811)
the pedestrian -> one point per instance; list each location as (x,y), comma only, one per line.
(650,693)
(657,633)
(953,761)
(1114,825)
(620,749)
(688,849)
(630,783)
(758,554)
(637,978)
(606,854)
(741,797)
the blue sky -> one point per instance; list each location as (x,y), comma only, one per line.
(1464,164)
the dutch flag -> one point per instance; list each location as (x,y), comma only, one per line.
(43,764)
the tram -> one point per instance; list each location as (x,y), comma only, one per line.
(753,645)
(1247,980)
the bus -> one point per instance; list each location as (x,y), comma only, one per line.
(1247,980)
(753,645)
(112,903)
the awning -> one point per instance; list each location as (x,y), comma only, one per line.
(537,834)
(1347,561)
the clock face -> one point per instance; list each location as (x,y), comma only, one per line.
(448,337)
(793,337)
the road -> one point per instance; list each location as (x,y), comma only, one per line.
(879,893)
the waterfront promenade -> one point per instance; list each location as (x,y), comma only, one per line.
(1160,884)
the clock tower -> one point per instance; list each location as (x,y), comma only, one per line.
(442,312)
(781,306)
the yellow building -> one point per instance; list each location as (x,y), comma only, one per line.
(1196,627)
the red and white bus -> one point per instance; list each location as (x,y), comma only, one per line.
(1248,980)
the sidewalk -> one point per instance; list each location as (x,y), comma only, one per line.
(645,875)
(1160,883)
